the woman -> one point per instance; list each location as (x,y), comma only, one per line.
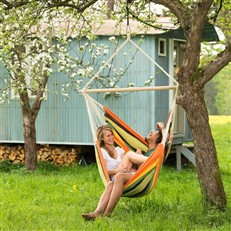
(112,154)
(120,167)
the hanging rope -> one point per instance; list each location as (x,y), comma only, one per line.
(128,40)
(144,180)
(127,11)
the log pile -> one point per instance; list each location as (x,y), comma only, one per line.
(60,155)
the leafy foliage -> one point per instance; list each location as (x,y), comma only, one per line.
(28,49)
(218,93)
(37,39)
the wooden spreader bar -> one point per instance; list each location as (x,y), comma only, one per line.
(131,89)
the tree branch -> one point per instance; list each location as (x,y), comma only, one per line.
(79,8)
(217,10)
(146,23)
(14,4)
(222,59)
(192,53)
(8,4)
(58,3)
(37,102)
(178,9)
(63,4)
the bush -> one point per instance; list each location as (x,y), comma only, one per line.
(47,167)
(8,166)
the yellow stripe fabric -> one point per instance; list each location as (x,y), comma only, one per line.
(149,171)
(131,140)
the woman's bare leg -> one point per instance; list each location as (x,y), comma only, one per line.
(103,202)
(119,180)
(129,159)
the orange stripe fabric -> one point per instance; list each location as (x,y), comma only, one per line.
(152,161)
(102,162)
(138,136)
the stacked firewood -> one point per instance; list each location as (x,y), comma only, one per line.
(13,153)
(60,155)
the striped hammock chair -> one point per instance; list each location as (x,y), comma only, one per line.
(144,180)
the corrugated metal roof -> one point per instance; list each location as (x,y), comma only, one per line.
(111,27)
(108,27)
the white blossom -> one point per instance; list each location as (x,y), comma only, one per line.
(112,38)
(105,52)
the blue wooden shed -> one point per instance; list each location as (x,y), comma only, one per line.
(66,122)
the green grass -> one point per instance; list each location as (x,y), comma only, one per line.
(53,198)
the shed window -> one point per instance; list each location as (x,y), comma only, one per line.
(162,47)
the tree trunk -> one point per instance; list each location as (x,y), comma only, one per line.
(205,151)
(29,139)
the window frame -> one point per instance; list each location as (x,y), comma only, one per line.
(162,47)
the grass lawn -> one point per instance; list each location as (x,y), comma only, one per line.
(53,198)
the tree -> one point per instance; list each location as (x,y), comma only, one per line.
(192,15)
(23,54)
(28,51)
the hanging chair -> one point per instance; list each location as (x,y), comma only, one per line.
(144,180)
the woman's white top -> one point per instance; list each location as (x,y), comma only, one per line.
(112,163)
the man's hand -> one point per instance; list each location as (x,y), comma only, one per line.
(160,125)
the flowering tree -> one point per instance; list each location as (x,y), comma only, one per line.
(36,35)
(28,51)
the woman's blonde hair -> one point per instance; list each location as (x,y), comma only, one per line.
(100,132)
